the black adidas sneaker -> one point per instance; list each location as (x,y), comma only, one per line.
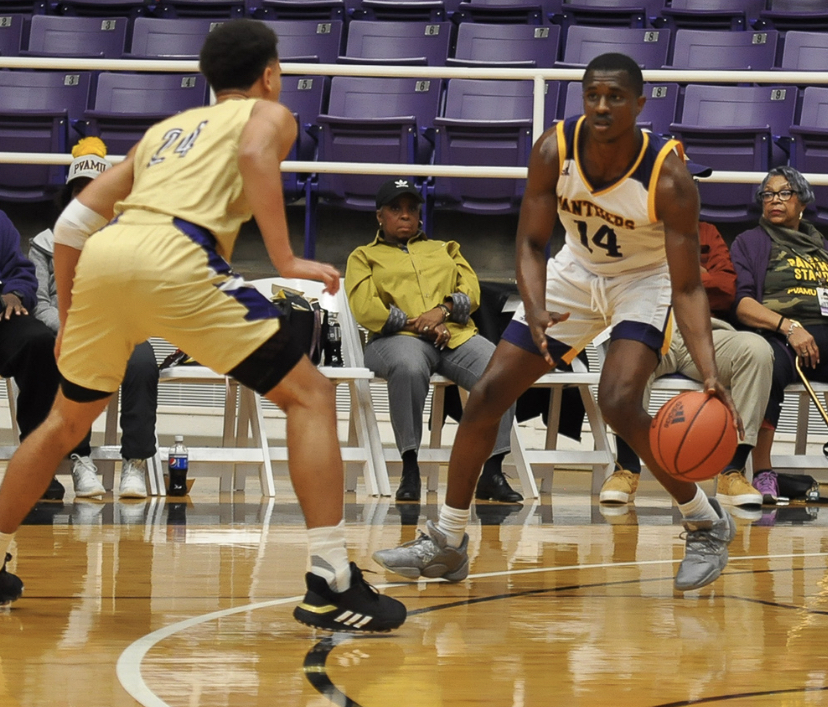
(358,608)
(10,585)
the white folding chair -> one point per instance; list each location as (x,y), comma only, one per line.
(360,449)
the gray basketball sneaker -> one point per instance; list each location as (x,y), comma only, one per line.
(705,554)
(427,556)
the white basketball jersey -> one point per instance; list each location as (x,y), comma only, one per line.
(614,229)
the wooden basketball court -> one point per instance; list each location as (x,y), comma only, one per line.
(189,605)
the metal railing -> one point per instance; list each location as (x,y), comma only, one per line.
(537,76)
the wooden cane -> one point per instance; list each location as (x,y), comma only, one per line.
(814,397)
(811,392)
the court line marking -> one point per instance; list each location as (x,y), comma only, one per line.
(128,667)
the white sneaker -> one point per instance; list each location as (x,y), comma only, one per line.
(85,477)
(133,479)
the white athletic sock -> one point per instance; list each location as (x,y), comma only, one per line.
(5,543)
(452,523)
(329,556)
(699,508)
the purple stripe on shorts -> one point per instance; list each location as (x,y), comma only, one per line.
(517,333)
(257,305)
(647,334)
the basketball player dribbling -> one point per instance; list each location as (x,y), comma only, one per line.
(160,269)
(630,209)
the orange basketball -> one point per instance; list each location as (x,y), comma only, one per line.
(692,437)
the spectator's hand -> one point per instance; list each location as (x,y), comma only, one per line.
(539,322)
(12,305)
(804,346)
(443,336)
(712,386)
(426,324)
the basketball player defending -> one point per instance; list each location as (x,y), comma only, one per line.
(160,269)
(630,210)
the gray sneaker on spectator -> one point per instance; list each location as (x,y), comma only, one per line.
(705,554)
(428,556)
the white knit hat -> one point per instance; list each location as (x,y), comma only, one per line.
(89,159)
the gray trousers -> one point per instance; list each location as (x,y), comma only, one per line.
(408,362)
(745,363)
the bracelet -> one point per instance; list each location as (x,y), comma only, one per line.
(446,312)
(781,319)
(794,325)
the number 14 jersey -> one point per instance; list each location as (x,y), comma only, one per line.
(613,229)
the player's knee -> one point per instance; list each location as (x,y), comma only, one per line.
(484,404)
(65,431)
(616,409)
(317,393)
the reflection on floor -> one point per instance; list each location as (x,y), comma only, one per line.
(188,602)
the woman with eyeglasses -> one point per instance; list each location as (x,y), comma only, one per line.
(782,291)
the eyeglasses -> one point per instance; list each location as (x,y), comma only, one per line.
(784,195)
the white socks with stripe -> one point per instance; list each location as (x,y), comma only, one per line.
(452,524)
(329,556)
(699,508)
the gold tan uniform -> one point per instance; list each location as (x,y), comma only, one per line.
(160,267)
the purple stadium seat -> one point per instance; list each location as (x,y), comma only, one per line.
(712,49)
(24,7)
(505,45)
(406,10)
(103,8)
(126,105)
(38,112)
(88,37)
(370,120)
(805,51)
(610,13)
(305,96)
(648,47)
(156,37)
(486,123)
(397,43)
(739,128)
(805,15)
(711,14)
(11,34)
(659,111)
(810,152)
(314,41)
(504,11)
(374,120)
(298,9)
(217,9)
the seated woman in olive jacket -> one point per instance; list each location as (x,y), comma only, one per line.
(416,296)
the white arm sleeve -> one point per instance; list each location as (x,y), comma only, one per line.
(76,224)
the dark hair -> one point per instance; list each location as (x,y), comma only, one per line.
(618,62)
(236,53)
(799,185)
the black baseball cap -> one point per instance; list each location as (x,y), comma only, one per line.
(698,170)
(394,187)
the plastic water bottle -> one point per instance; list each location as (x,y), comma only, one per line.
(333,350)
(178,464)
